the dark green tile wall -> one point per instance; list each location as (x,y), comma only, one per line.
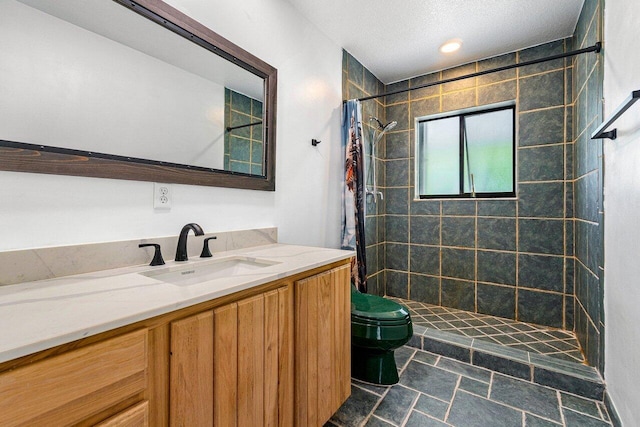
(588,270)
(500,257)
(243,148)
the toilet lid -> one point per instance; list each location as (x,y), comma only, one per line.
(376,308)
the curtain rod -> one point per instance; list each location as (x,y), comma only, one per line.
(595,48)
(230,128)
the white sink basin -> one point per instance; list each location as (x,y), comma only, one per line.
(191,274)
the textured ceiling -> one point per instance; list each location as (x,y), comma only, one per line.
(398,39)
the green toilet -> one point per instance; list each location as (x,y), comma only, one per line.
(378,327)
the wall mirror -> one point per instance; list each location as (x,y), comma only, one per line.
(132,90)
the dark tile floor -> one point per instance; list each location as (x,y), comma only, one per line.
(438,391)
(552,342)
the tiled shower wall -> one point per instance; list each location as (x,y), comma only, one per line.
(358,82)
(501,257)
(588,171)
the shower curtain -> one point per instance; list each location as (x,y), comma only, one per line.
(353,194)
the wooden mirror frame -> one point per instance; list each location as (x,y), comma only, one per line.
(35,158)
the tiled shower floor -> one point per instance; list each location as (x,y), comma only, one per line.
(524,336)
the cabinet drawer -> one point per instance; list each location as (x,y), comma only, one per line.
(67,388)
(136,416)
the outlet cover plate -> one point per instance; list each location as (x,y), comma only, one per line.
(161,196)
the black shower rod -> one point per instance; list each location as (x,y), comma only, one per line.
(230,128)
(595,48)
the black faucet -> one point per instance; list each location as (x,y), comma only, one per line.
(181,250)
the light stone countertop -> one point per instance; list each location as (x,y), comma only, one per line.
(35,316)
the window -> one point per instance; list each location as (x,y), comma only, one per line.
(468,154)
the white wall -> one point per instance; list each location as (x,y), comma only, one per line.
(622,210)
(48,210)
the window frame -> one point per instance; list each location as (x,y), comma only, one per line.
(463,114)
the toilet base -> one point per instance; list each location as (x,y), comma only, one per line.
(373,366)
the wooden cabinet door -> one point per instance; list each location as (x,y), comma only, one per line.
(191,371)
(225,365)
(233,366)
(323,345)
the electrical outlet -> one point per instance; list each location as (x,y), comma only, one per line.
(161,196)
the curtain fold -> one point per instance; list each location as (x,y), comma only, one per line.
(353,195)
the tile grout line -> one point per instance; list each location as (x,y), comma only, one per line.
(559,397)
(405,420)
(490,389)
(565,192)
(373,409)
(455,391)
(475,223)
(440,252)
(588,415)
(600,412)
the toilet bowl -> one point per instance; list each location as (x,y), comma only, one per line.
(378,327)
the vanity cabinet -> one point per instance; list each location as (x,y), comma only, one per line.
(323,345)
(233,365)
(73,387)
(277,354)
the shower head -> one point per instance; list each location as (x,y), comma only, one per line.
(389,126)
(384,128)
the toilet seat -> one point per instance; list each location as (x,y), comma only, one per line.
(377,322)
(374,309)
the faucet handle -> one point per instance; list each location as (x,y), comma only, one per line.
(206,253)
(157,256)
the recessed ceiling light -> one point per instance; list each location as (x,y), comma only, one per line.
(451,46)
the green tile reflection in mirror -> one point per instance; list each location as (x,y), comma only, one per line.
(243,146)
